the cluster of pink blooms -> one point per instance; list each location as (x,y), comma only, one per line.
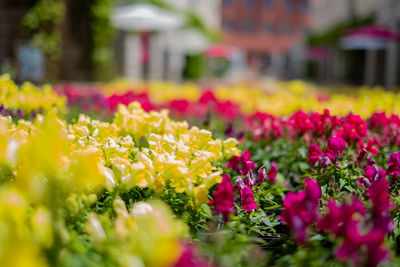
(301,209)
(224,198)
(189,258)
(311,126)
(334,149)
(347,222)
(387,126)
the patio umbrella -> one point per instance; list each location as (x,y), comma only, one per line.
(145,18)
(370,37)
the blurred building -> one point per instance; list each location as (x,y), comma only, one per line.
(270,31)
(13,38)
(373,62)
(163,54)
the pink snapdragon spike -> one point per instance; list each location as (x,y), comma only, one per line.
(371,147)
(301,209)
(301,122)
(207,96)
(242,164)
(335,147)
(271,175)
(394,165)
(342,222)
(353,128)
(224,198)
(189,258)
(339,217)
(379,196)
(313,154)
(372,173)
(247,197)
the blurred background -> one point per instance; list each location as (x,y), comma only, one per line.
(352,42)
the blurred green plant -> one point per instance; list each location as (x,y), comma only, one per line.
(43,21)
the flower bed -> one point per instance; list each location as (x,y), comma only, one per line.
(141,189)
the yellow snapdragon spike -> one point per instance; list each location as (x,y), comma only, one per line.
(17,246)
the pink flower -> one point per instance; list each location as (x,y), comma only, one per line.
(301,122)
(271,175)
(379,196)
(247,197)
(301,209)
(336,145)
(370,147)
(242,163)
(313,154)
(224,198)
(372,173)
(339,217)
(353,127)
(189,258)
(394,165)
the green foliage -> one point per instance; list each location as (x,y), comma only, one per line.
(43,21)
(102,32)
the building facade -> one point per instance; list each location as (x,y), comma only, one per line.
(268,30)
(373,66)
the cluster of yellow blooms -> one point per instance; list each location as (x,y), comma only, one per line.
(278,98)
(28,97)
(48,162)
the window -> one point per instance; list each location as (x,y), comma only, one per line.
(288,5)
(229,25)
(269,28)
(249,3)
(304,5)
(268,3)
(287,29)
(228,2)
(248,26)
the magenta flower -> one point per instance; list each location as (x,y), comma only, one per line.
(379,196)
(335,147)
(301,122)
(339,217)
(271,175)
(394,165)
(189,258)
(353,128)
(242,163)
(301,209)
(313,154)
(372,173)
(224,198)
(371,146)
(247,197)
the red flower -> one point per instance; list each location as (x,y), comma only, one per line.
(379,196)
(394,165)
(247,197)
(372,173)
(224,198)
(189,258)
(242,163)
(271,175)
(301,209)
(353,127)
(313,154)
(336,145)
